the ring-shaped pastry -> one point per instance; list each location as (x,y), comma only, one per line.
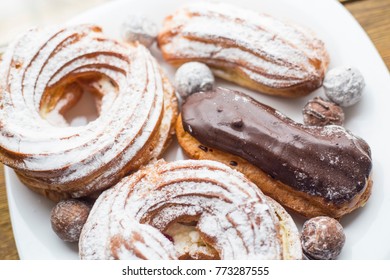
(44,73)
(234,219)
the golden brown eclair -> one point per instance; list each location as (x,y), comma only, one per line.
(251,49)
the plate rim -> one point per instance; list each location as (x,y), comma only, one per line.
(378,61)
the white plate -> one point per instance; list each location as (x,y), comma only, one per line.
(367,229)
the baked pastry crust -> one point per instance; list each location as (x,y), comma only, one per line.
(251,49)
(43,73)
(297,201)
(310,169)
(232,215)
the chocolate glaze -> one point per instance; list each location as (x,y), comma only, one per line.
(327,161)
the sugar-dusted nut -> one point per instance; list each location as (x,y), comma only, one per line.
(320,112)
(344,85)
(139,28)
(322,238)
(68,218)
(193,77)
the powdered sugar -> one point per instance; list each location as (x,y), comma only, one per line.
(135,105)
(139,28)
(193,77)
(267,50)
(344,85)
(231,210)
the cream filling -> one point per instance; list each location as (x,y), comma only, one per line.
(187,241)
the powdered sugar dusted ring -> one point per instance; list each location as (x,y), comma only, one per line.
(43,73)
(142,217)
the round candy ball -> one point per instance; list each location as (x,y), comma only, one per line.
(139,28)
(322,238)
(344,85)
(193,77)
(68,218)
(319,112)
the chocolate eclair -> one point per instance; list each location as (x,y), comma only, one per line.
(311,170)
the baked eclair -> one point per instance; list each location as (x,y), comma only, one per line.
(188,209)
(246,47)
(311,170)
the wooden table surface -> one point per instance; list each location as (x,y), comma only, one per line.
(374,17)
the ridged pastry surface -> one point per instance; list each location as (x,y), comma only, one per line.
(233,216)
(246,47)
(41,70)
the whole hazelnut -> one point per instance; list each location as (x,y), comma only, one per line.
(322,238)
(68,218)
(320,112)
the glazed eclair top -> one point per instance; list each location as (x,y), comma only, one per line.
(327,161)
